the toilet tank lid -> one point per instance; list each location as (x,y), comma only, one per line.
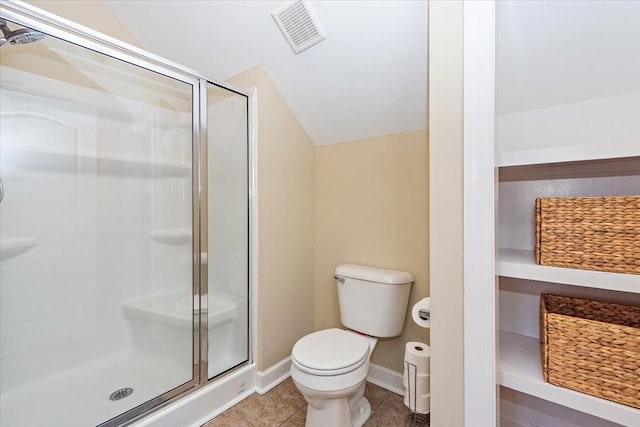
(372,274)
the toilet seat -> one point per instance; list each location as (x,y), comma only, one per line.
(330,352)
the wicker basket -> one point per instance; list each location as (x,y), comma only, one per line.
(592,347)
(589,233)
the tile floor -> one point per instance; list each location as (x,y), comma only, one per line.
(284,406)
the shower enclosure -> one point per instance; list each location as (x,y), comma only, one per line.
(124,226)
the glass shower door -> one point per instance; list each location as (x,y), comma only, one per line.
(96,247)
(227,204)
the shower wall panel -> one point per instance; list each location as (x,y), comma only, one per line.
(52,211)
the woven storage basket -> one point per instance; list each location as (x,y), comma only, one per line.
(592,347)
(589,233)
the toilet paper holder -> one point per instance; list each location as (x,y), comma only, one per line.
(414,419)
(421,312)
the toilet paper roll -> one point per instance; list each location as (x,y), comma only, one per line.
(419,377)
(421,404)
(416,373)
(419,354)
(425,305)
(421,384)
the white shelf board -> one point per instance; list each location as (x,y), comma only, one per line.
(520,369)
(573,153)
(619,167)
(520,264)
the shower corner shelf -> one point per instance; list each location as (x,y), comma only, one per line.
(174,236)
(10,248)
(108,163)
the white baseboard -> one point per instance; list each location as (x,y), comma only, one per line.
(386,378)
(274,375)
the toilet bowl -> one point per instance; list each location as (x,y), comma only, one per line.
(330,367)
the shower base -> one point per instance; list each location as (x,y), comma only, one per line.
(95,392)
(80,397)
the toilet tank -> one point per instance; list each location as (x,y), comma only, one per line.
(372,300)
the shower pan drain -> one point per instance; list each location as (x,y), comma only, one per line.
(121,394)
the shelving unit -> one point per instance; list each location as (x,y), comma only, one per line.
(564,171)
(542,118)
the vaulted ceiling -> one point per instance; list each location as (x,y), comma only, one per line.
(368,78)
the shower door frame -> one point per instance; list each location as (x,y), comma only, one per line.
(68,31)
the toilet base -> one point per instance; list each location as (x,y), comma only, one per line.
(361,412)
(350,410)
(339,413)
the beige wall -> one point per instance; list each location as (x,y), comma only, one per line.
(381,221)
(371,209)
(446,211)
(286,221)
(90,13)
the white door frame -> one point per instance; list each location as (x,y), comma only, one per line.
(480,180)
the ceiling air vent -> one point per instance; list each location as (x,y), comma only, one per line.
(300,26)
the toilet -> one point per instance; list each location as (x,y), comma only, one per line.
(330,366)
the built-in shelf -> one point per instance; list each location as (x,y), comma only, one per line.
(175,236)
(520,369)
(14,247)
(572,153)
(625,166)
(520,264)
(101,163)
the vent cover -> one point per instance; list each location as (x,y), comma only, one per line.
(300,26)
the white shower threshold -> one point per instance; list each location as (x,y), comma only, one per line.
(195,409)
(80,397)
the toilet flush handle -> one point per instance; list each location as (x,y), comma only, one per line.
(339,278)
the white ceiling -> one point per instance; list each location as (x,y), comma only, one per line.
(367,79)
(560,52)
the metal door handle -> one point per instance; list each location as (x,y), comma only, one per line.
(1,190)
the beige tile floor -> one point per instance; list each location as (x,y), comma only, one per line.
(284,406)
